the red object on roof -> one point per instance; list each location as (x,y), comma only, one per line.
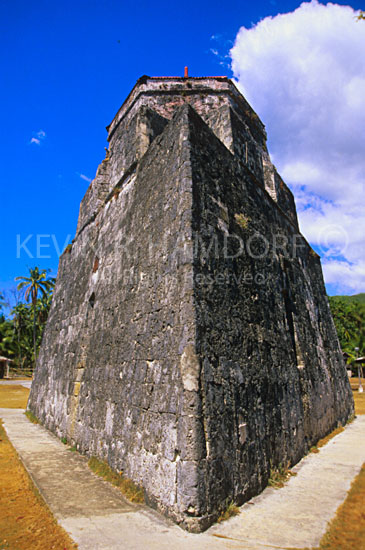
(181,77)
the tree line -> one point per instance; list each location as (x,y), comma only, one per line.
(21,331)
(349,316)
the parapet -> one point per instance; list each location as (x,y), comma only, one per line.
(152,103)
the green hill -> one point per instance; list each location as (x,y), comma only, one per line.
(360,298)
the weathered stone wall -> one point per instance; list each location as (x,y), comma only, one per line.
(131,140)
(189,341)
(95,195)
(246,148)
(279,191)
(272,380)
(110,374)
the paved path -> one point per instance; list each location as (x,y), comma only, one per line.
(98,518)
(15,382)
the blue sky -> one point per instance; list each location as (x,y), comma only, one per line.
(65,70)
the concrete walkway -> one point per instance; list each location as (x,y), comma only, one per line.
(98,518)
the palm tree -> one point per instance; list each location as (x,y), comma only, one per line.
(34,284)
(20,314)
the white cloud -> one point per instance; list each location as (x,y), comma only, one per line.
(38,137)
(83,177)
(304,74)
(344,276)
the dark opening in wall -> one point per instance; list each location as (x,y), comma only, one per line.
(92,299)
(291,312)
(289,315)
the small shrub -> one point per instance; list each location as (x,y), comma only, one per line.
(242,220)
(229,511)
(313,253)
(68,249)
(280,475)
(64,440)
(130,490)
(322,442)
(31,417)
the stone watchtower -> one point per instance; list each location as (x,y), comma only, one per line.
(190,342)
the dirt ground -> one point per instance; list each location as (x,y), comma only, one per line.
(359,398)
(13,397)
(347,530)
(26,523)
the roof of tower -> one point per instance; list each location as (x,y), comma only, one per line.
(161,85)
(185,77)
